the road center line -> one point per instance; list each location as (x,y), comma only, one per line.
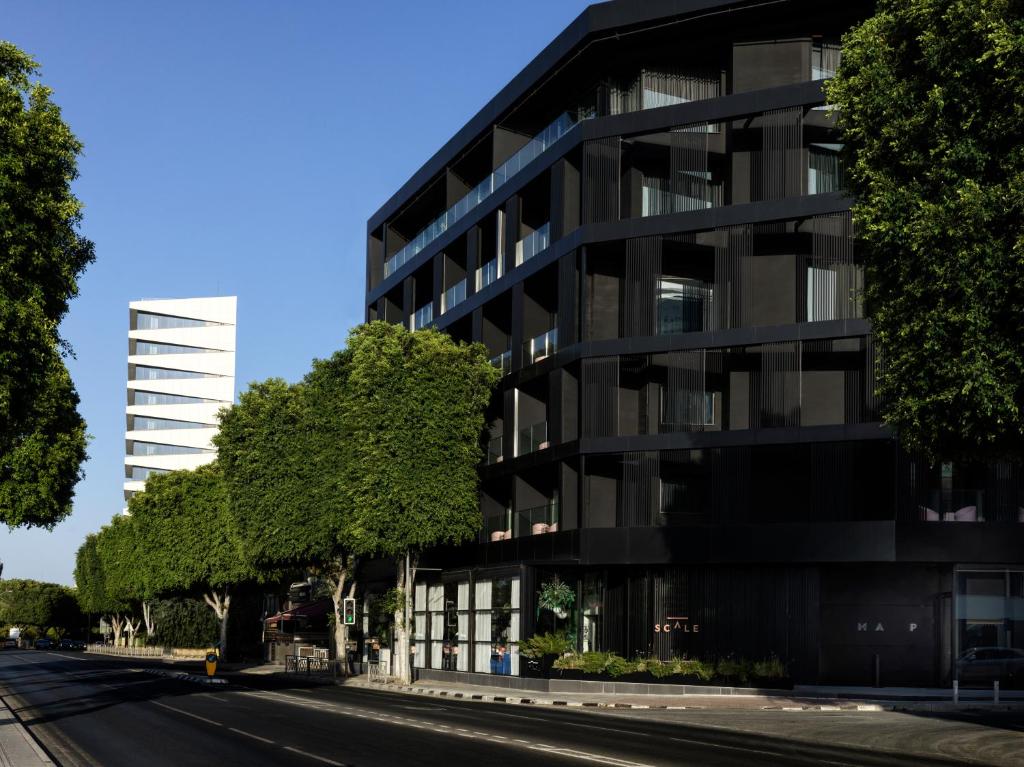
(250,735)
(187,713)
(323,759)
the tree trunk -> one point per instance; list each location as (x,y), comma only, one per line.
(404,619)
(220,606)
(338,596)
(117,625)
(147,616)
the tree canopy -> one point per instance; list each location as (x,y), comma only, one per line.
(37,604)
(929,103)
(413,412)
(42,255)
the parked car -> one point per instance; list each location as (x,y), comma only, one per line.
(10,643)
(44,644)
(71,644)
(984,665)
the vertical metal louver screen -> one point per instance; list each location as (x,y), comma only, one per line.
(568,297)
(874,367)
(685,404)
(778,390)
(835,283)
(601,180)
(690,183)
(730,259)
(639,473)
(643,263)
(777,172)
(600,396)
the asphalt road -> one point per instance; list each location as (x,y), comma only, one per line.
(98,711)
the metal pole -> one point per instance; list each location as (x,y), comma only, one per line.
(995,691)
(406,660)
(956,690)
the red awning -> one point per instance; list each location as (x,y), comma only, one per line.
(312,610)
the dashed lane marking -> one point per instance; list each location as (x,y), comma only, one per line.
(323,759)
(250,735)
(187,713)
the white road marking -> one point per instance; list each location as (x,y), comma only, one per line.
(250,735)
(587,756)
(187,713)
(323,759)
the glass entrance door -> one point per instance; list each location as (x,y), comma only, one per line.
(990,628)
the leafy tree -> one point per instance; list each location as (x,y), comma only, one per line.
(42,435)
(928,98)
(186,539)
(184,623)
(124,578)
(413,413)
(96,590)
(44,606)
(281,449)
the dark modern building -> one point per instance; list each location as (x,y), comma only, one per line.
(645,228)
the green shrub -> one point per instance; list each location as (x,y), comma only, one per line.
(572,660)
(692,667)
(770,668)
(617,666)
(734,669)
(660,670)
(540,645)
(594,662)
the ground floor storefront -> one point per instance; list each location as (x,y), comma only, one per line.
(863,624)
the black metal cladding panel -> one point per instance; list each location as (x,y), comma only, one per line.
(776,401)
(600,396)
(643,264)
(961,542)
(601,180)
(636,496)
(750,612)
(568,293)
(777,172)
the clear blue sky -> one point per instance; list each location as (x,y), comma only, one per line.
(237,148)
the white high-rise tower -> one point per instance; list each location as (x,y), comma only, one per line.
(181,372)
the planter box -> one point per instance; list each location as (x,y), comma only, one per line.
(646,677)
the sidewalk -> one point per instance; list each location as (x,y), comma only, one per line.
(17,747)
(805,699)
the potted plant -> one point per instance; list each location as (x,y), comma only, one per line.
(544,649)
(557,596)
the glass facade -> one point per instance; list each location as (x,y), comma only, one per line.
(146,373)
(148,321)
(145,423)
(468,626)
(156,398)
(142,473)
(149,347)
(155,448)
(990,627)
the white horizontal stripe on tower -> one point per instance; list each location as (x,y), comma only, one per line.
(199,413)
(170,462)
(184,437)
(217,363)
(214,309)
(220,337)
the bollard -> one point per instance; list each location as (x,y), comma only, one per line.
(956,690)
(995,691)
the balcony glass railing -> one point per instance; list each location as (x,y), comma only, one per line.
(533,438)
(422,317)
(513,165)
(495,450)
(532,244)
(540,347)
(536,521)
(487,274)
(498,528)
(954,506)
(503,362)
(454,296)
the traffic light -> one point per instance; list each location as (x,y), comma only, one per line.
(350,611)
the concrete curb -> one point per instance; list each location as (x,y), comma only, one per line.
(486,698)
(880,705)
(185,676)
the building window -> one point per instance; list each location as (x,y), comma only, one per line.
(146,373)
(684,305)
(496,627)
(148,347)
(147,321)
(990,627)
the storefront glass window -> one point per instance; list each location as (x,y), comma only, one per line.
(496,625)
(990,628)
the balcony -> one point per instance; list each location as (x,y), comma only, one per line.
(495,450)
(684,305)
(957,505)
(540,347)
(533,438)
(422,317)
(454,296)
(536,521)
(499,528)
(532,244)
(480,192)
(503,362)
(487,274)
